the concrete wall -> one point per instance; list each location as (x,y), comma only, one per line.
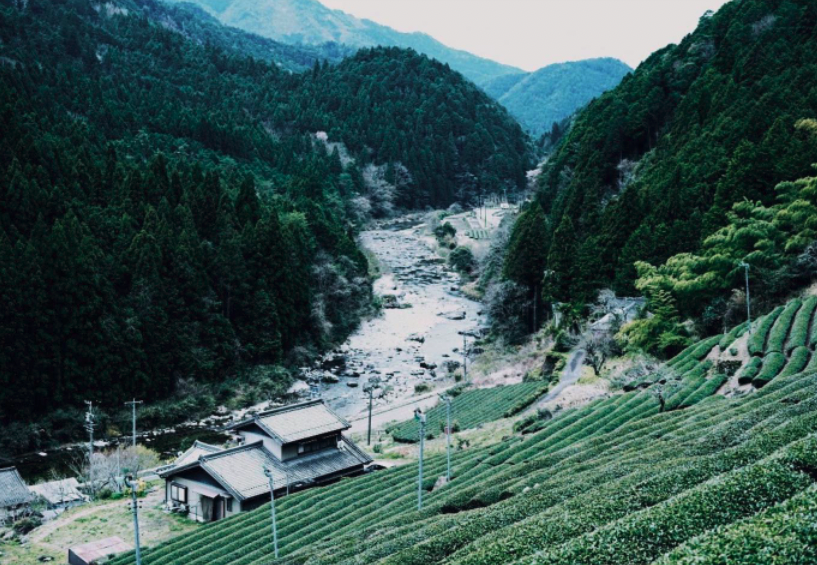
(194,497)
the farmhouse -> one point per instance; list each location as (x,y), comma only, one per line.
(14,495)
(302,445)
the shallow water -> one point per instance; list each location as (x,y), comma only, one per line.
(387,346)
(381,347)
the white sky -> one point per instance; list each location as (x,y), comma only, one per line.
(533,33)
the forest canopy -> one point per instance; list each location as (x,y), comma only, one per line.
(169,212)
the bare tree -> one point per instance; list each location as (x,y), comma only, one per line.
(598,348)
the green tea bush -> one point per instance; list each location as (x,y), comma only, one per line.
(750,370)
(781,327)
(797,362)
(773,363)
(760,331)
(802,322)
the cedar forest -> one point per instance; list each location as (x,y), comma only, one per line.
(169,215)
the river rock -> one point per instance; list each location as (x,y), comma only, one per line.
(416,337)
(428,366)
(330,379)
(352,384)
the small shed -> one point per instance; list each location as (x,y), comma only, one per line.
(63,493)
(92,552)
(15,497)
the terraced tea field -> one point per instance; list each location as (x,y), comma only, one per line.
(615,482)
(472,408)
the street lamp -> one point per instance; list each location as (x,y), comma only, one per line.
(744,265)
(421,419)
(447,399)
(268,473)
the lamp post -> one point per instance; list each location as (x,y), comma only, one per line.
(421,419)
(447,400)
(745,266)
(132,486)
(268,473)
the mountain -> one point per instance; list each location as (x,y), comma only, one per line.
(309,22)
(197,25)
(547,96)
(653,167)
(170,217)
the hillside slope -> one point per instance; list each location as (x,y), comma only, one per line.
(311,23)
(169,216)
(549,95)
(616,482)
(654,165)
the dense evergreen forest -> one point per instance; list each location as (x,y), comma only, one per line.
(653,167)
(168,215)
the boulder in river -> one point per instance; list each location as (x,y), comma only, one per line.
(417,337)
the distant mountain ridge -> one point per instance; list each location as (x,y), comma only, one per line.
(309,22)
(552,93)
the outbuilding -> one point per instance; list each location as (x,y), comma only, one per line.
(15,498)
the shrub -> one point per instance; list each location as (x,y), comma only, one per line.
(773,363)
(781,327)
(797,362)
(760,331)
(420,388)
(750,370)
(462,259)
(802,322)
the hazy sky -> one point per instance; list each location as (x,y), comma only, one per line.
(533,33)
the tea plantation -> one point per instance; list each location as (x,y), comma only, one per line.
(708,480)
(472,408)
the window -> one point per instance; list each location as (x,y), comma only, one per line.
(178,493)
(317,444)
(229,505)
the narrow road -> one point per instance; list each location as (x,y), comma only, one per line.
(571,374)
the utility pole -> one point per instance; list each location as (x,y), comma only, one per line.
(133,404)
(268,473)
(135,509)
(745,267)
(370,387)
(464,357)
(421,419)
(89,427)
(447,400)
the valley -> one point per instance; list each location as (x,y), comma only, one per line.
(283,285)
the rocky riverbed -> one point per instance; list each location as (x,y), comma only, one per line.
(417,339)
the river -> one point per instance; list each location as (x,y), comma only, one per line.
(418,333)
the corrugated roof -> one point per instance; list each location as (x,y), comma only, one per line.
(13,490)
(297,421)
(240,470)
(91,552)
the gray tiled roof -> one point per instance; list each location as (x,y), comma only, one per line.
(240,470)
(195,451)
(297,421)
(13,491)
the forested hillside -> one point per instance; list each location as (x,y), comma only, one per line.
(551,94)
(653,166)
(169,215)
